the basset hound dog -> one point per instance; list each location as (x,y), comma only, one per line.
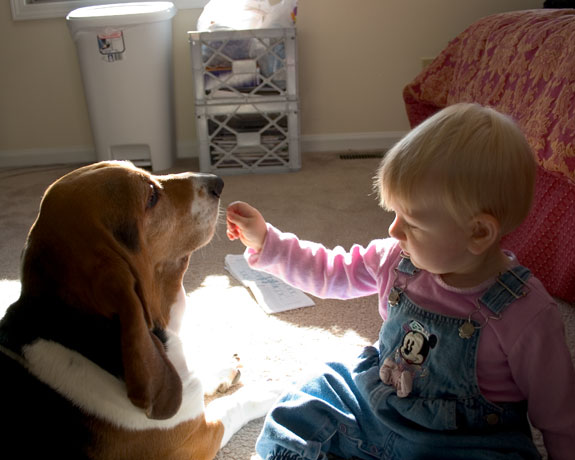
(91,364)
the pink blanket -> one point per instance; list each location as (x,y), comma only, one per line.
(523,64)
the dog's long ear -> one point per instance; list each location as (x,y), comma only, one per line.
(152,382)
(107,286)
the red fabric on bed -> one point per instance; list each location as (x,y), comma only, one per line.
(523,64)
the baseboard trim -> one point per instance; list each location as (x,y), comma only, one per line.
(344,142)
(47,156)
(311,143)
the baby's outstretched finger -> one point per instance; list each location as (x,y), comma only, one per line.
(240,209)
(236,208)
(232,230)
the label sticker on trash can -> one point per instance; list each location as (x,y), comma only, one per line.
(111,45)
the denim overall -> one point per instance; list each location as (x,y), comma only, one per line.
(440,413)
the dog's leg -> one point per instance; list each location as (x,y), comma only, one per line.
(178,311)
(215,377)
(245,405)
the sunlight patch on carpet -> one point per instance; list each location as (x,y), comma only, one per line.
(9,293)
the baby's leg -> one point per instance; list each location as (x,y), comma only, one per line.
(323,416)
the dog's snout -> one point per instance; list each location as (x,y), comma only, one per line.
(216,186)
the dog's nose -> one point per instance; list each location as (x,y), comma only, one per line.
(213,184)
(216,186)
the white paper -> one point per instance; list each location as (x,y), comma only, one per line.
(271,293)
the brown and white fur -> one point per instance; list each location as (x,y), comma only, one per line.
(91,365)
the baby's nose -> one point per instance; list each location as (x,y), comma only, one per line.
(396,229)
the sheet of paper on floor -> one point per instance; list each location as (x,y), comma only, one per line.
(272,294)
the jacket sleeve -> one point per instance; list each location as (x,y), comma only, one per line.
(325,273)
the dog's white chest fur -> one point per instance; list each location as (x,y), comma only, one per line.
(101,394)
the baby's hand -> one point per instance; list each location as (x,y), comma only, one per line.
(246,223)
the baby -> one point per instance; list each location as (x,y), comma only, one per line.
(472,347)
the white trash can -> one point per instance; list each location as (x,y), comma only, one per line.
(125,54)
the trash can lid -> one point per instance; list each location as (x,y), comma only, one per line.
(121,14)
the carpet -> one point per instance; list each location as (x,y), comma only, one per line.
(331,200)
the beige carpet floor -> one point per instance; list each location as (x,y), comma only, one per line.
(330,201)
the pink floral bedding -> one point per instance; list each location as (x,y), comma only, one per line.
(523,64)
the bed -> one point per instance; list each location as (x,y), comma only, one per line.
(523,64)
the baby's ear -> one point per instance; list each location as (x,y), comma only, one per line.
(484,231)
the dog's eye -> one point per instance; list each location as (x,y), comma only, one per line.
(153,196)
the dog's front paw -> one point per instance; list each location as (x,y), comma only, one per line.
(223,379)
(229,375)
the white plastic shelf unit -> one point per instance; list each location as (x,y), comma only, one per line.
(243,138)
(231,66)
(246,100)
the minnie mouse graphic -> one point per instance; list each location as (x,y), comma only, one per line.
(407,361)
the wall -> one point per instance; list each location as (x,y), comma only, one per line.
(354,59)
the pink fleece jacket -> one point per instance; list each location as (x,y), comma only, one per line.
(522,356)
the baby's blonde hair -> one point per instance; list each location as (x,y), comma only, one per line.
(477,159)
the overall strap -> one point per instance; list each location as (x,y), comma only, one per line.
(405,266)
(508,287)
